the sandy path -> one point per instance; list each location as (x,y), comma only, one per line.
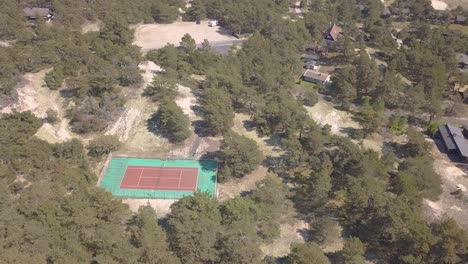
(156,36)
(133,114)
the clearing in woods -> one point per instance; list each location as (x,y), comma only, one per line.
(156,36)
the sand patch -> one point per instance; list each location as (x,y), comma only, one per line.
(161,206)
(324,113)
(186,100)
(289,233)
(156,36)
(235,187)
(268,145)
(34,96)
(90,26)
(449,204)
(439,5)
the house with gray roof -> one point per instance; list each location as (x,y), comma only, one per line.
(455,140)
(316,77)
(33,13)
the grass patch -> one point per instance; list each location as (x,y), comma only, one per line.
(462,28)
(401,25)
(309,85)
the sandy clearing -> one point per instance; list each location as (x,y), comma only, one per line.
(5,44)
(90,26)
(156,36)
(161,206)
(235,187)
(325,113)
(34,96)
(439,5)
(186,100)
(448,204)
(267,148)
(124,125)
(132,117)
(289,233)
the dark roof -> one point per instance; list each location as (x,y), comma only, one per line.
(448,141)
(454,139)
(462,58)
(33,12)
(308,57)
(334,31)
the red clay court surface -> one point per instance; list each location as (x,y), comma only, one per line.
(158,178)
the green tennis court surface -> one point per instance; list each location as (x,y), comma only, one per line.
(159,179)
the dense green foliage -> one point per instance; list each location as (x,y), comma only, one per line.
(171,121)
(103,145)
(238,156)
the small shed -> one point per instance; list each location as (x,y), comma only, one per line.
(33,13)
(316,77)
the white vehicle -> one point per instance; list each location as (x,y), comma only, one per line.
(213,23)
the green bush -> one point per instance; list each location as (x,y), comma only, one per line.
(103,145)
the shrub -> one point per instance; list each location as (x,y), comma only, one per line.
(51,116)
(103,145)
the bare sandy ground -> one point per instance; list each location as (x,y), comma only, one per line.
(325,113)
(291,232)
(156,36)
(133,114)
(268,145)
(5,44)
(439,5)
(235,187)
(448,204)
(452,4)
(34,96)
(161,206)
(89,26)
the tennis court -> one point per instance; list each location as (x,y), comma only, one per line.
(159,179)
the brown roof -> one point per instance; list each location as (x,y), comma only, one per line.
(334,31)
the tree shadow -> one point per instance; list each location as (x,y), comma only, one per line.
(200,128)
(249,125)
(153,127)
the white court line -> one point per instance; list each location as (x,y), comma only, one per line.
(141,173)
(180,178)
